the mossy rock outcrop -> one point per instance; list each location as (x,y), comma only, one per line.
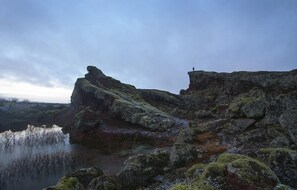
(246,105)
(234,171)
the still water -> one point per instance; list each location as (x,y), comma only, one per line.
(37,157)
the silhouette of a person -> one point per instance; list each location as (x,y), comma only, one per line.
(193,68)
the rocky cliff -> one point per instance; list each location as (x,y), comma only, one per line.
(226,131)
(104,110)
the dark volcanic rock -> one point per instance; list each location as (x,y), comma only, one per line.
(238,125)
(288,121)
(182,154)
(140,170)
(255,109)
(284,163)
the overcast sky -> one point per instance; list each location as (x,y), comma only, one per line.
(45,45)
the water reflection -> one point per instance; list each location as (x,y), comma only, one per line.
(37,157)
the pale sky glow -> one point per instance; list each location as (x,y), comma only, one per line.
(36,93)
(47,44)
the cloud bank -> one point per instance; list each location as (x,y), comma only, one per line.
(150,44)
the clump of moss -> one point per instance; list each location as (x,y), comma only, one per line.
(179,187)
(69,183)
(192,170)
(239,102)
(213,177)
(265,150)
(228,158)
(272,151)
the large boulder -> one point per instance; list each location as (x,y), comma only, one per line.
(255,109)
(288,121)
(108,95)
(232,172)
(251,174)
(140,170)
(284,163)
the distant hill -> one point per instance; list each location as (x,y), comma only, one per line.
(16,115)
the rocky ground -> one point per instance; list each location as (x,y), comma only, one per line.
(226,131)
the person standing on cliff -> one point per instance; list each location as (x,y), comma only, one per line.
(193,68)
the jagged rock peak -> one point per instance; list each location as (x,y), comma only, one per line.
(95,72)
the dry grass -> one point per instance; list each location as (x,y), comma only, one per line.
(206,137)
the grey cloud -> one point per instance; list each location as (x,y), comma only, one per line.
(151,44)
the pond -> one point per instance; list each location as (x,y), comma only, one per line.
(38,156)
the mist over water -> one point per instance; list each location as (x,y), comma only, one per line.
(37,157)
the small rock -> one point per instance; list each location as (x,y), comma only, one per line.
(104,183)
(86,175)
(182,154)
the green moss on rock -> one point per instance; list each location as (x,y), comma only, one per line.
(193,169)
(234,171)
(180,187)
(69,183)
(235,106)
(251,173)
(228,158)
